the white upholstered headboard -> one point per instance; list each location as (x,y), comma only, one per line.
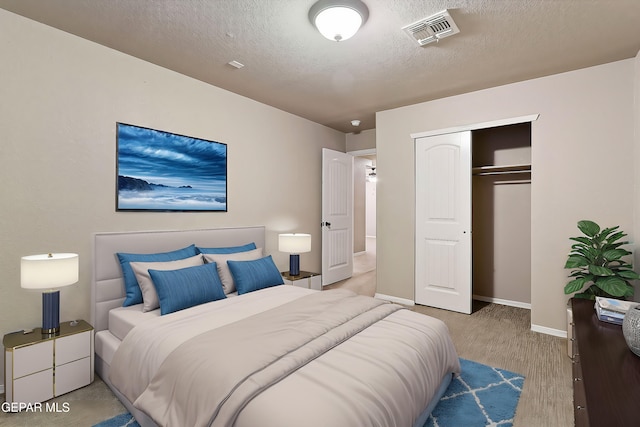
(107,290)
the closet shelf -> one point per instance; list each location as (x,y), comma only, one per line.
(500,170)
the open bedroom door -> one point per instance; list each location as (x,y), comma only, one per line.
(337,216)
(443,222)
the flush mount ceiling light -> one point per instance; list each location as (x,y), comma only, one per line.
(338,20)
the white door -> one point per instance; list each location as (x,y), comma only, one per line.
(443,221)
(337,216)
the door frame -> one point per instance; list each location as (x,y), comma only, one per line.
(360,153)
(476,126)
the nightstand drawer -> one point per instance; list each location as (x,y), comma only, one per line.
(33,388)
(32,358)
(41,366)
(72,376)
(73,347)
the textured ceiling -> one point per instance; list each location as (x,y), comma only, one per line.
(289,65)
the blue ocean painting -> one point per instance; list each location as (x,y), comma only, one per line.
(162,171)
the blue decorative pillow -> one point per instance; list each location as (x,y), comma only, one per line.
(132,289)
(186,287)
(228,250)
(250,276)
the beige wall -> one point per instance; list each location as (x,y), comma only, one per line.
(371,210)
(365,140)
(583,168)
(359,203)
(61,99)
(501,240)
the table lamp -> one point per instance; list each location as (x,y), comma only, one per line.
(48,272)
(294,244)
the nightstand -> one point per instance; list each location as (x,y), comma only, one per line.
(305,279)
(39,367)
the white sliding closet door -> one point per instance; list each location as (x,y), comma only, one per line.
(443,221)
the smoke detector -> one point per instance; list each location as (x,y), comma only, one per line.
(235,64)
(432,29)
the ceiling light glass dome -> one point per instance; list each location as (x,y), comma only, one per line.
(338,20)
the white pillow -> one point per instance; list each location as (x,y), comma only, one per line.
(223,269)
(150,299)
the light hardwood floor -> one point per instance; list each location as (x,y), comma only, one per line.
(496,335)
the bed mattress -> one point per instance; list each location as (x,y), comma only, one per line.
(386,373)
(124,319)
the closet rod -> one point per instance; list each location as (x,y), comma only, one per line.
(513,182)
(500,170)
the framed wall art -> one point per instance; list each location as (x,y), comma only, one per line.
(163,171)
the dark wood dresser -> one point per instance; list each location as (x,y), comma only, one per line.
(606,374)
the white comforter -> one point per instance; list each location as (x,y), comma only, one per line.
(385,375)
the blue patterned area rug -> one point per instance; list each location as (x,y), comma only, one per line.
(480,396)
(122,420)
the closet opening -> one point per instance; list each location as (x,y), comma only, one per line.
(501,214)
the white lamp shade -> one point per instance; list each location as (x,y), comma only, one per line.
(295,243)
(338,23)
(48,271)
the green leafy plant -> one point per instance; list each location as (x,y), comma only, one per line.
(596,258)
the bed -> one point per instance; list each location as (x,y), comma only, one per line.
(275,356)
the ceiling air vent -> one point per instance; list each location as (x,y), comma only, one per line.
(432,29)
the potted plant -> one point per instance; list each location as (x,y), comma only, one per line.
(596,258)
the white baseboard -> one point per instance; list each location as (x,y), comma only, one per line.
(549,331)
(503,302)
(397,300)
(359,253)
